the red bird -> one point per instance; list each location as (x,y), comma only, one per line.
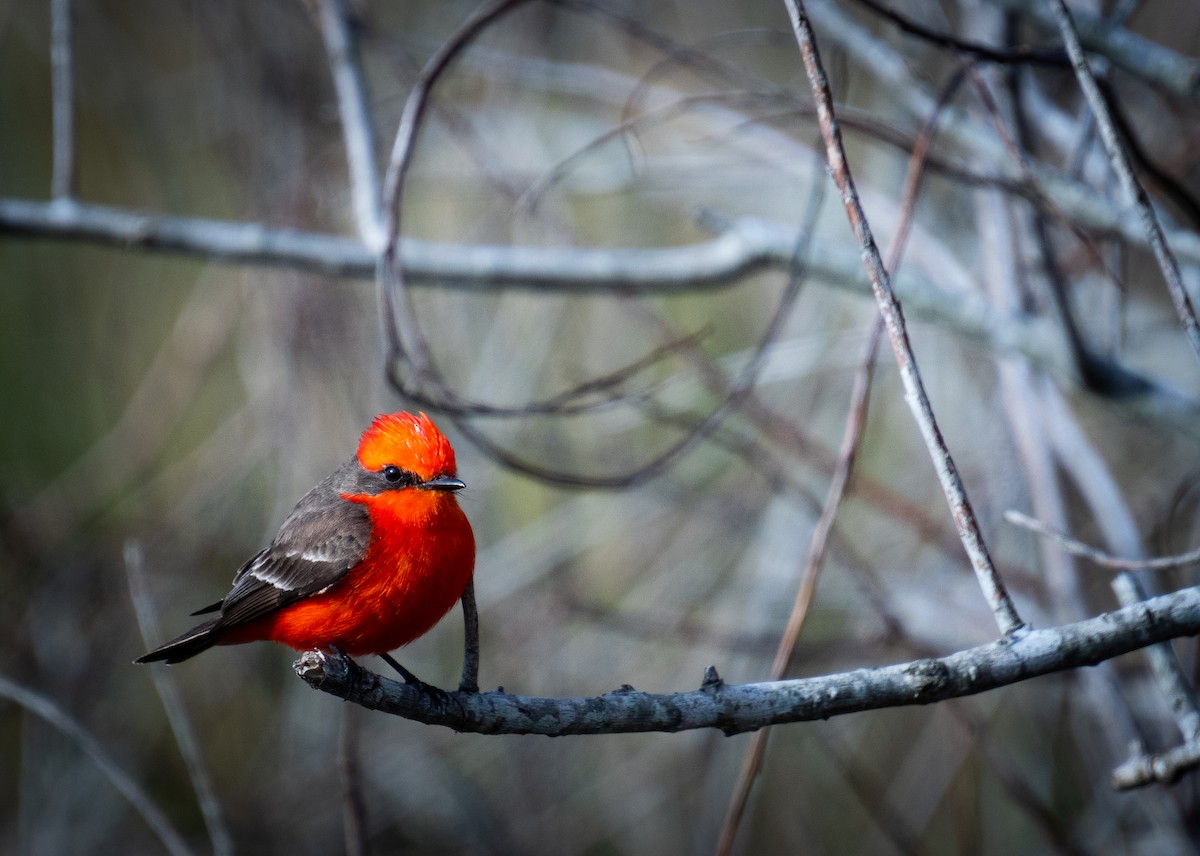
(370,558)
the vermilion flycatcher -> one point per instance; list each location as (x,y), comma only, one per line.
(369,559)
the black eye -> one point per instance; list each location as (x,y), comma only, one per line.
(393,473)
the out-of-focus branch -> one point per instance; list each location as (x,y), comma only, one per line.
(744,246)
(1141,57)
(1162,769)
(1078,548)
(48,710)
(354,808)
(1168,673)
(176,711)
(62,61)
(856,419)
(735,709)
(1129,182)
(1085,206)
(358,138)
(965,521)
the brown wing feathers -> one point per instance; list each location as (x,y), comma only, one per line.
(317,545)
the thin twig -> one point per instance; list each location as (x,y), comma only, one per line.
(173,706)
(341,45)
(62,59)
(1078,548)
(856,418)
(1099,374)
(469,683)
(1154,63)
(1005,612)
(407,347)
(405,344)
(786,650)
(354,808)
(48,710)
(1019,55)
(1129,182)
(1087,206)
(1163,768)
(735,709)
(735,393)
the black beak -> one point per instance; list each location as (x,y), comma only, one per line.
(442,483)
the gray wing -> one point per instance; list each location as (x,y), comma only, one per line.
(317,545)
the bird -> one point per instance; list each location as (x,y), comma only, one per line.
(368,560)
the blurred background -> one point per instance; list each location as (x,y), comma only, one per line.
(163,411)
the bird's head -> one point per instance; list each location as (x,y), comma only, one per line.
(409,451)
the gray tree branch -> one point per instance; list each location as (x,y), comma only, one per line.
(744,246)
(735,709)
(1136,54)
(969,532)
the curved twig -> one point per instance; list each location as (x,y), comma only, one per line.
(48,710)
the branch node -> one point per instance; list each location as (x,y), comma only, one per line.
(1019,632)
(712,681)
(927,677)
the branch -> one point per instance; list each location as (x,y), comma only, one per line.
(735,709)
(963,514)
(175,709)
(1138,55)
(745,246)
(51,712)
(1129,182)
(358,138)
(852,431)
(1168,672)
(1168,766)
(1099,557)
(62,60)
(1163,769)
(469,683)
(1085,205)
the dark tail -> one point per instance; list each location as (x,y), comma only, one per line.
(199,638)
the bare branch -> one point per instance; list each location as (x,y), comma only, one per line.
(177,717)
(341,46)
(62,59)
(1082,203)
(354,808)
(744,246)
(1167,671)
(1078,548)
(889,307)
(856,418)
(1129,182)
(48,710)
(1141,57)
(469,683)
(1162,769)
(735,709)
